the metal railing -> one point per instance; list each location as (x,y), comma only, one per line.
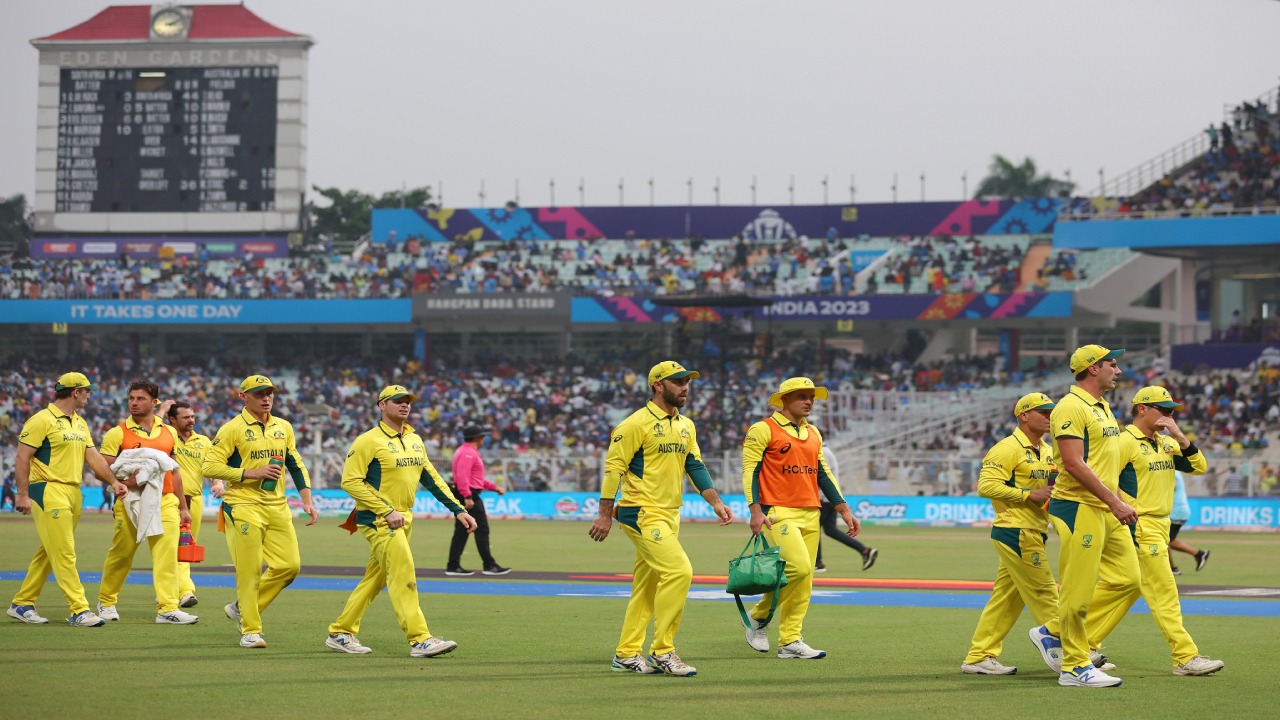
(1136,179)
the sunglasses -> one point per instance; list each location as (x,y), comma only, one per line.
(1166,411)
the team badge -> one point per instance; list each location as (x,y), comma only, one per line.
(119,524)
(1088,541)
(657,534)
(784,529)
(278,434)
(55,513)
(1035,559)
(1155,550)
(244,529)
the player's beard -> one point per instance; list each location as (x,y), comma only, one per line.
(673,398)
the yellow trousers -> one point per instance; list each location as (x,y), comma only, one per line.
(1024,578)
(390,566)
(1157,587)
(795,532)
(660,580)
(55,507)
(164,556)
(195,504)
(1097,565)
(258,533)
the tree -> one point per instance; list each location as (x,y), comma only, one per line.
(349,213)
(15,223)
(1006,180)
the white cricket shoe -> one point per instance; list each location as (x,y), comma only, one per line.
(176,617)
(346,643)
(800,650)
(757,635)
(27,614)
(1100,661)
(86,618)
(633,664)
(108,612)
(232,609)
(1199,665)
(1049,646)
(671,664)
(252,640)
(988,666)
(431,647)
(1088,676)
(188,600)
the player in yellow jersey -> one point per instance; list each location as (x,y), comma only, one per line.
(1015,476)
(143,429)
(785,477)
(650,453)
(1147,482)
(53,447)
(384,467)
(189,452)
(1088,516)
(251,453)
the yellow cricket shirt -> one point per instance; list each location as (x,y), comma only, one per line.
(190,456)
(649,455)
(60,441)
(1147,480)
(1011,469)
(1081,415)
(243,443)
(756,445)
(383,470)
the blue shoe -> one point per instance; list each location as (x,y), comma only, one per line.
(1088,676)
(86,618)
(27,614)
(1049,646)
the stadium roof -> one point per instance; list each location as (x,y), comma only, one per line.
(132,23)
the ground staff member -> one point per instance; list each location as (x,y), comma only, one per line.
(255,515)
(1088,516)
(1147,482)
(1015,476)
(189,452)
(784,475)
(142,429)
(383,469)
(53,447)
(649,455)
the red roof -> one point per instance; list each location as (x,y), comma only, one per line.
(208,22)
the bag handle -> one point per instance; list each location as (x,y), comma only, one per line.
(756,543)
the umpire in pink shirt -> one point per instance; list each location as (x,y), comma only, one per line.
(469,481)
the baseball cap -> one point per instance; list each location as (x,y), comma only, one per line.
(791,385)
(1033,401)
(670,370)
(74,380)
(1155,395)
(1091,355)
(471,432)
(395,392)
(254,383)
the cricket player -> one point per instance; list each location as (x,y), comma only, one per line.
(251,454)
(189,452)
(143,429)
(650,453)
(785,476)
(384,467)
(1088,516)
(53,447)
(1150,457)
(1015,477)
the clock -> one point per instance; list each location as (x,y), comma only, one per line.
(169,24)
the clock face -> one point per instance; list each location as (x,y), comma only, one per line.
(168,23)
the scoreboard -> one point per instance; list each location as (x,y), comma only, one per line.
(172,139)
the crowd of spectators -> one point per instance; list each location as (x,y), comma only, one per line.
(1240,170)
(950,265)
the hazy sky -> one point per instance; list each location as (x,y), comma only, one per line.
(529,91)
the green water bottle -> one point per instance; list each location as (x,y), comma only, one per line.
(269,484)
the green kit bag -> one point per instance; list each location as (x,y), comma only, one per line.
(758,569)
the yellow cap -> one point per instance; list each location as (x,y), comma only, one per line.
(669,370)
(1155,395)
(1091,355)
(1033,401)
(791,385)
(254,383)
(395,392)
(74,380)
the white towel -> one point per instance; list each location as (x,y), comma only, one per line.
(143,504)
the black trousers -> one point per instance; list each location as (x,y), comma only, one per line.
(829,527)
(460,533)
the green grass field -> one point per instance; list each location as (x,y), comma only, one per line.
(547,657)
